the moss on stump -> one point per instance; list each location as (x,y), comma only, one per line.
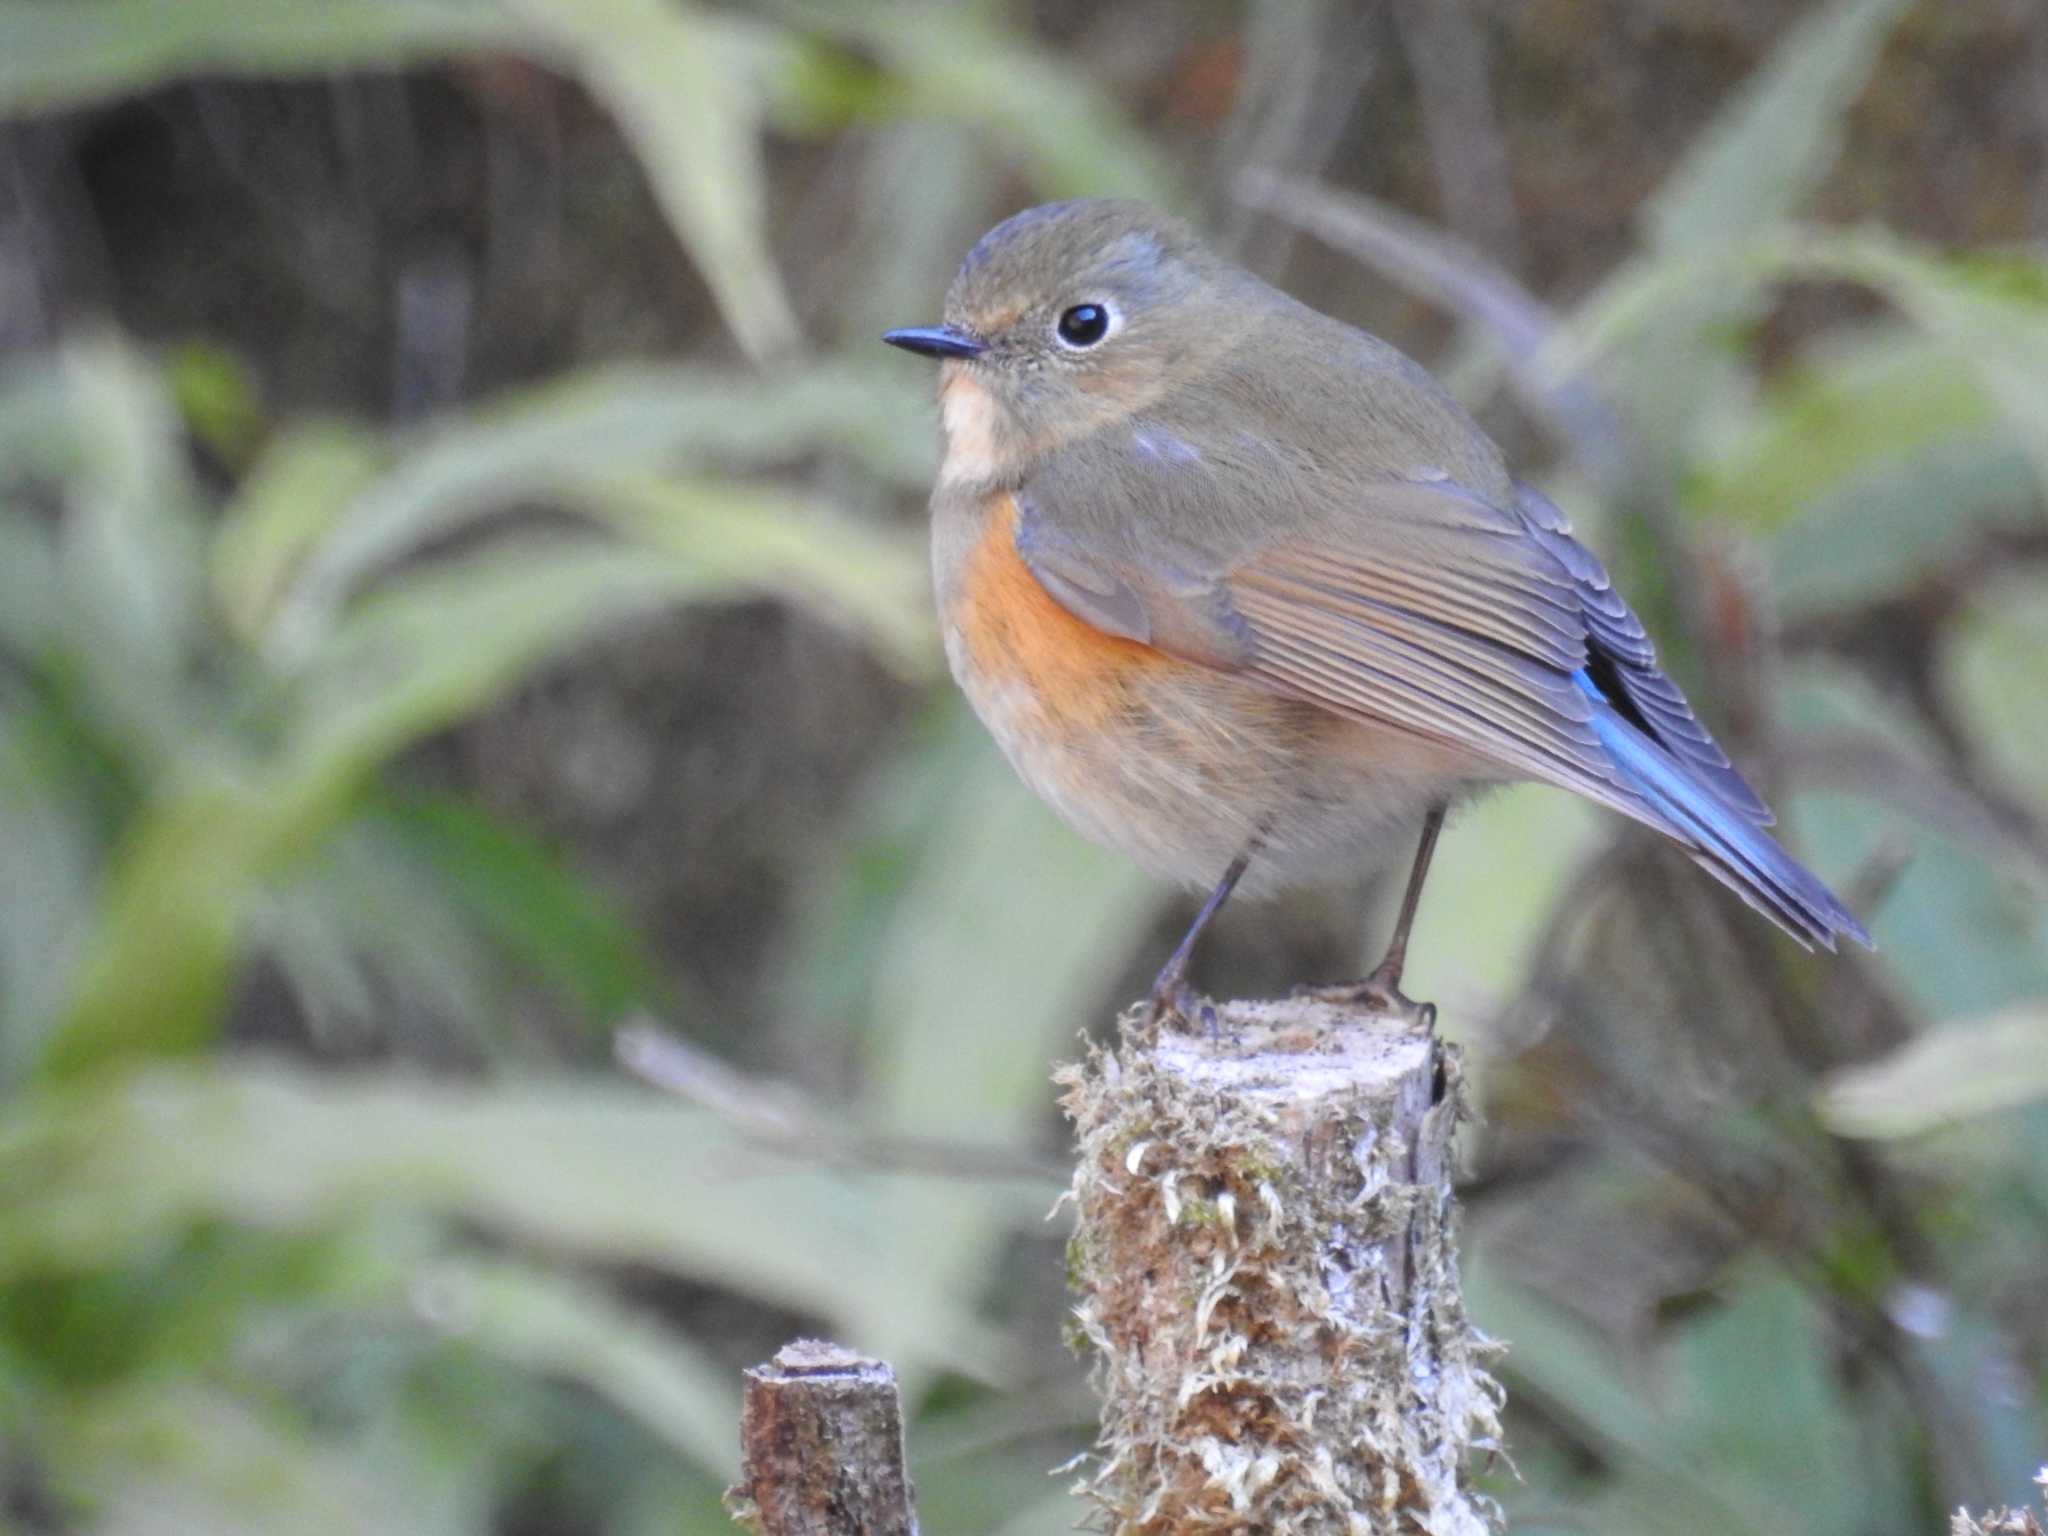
(1266,1263)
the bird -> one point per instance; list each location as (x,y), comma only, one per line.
(1245,594)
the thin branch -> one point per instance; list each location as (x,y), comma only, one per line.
(780,1116)
(1447,53)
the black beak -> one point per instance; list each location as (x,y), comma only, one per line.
(936,341)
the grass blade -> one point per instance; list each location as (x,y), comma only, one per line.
(1769,147)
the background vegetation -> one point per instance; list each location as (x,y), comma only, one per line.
(462,596)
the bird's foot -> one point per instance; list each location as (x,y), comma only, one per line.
(1173,1001)
(1380,992)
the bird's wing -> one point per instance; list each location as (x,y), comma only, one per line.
(1624,663)
(1419,605)
(1431,611)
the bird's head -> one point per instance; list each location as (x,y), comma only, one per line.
(1063,319)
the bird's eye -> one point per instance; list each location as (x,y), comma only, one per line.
(1084,325)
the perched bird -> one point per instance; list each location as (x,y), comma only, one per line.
(1244,593)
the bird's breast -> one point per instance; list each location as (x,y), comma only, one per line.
(1176,764)
(1026,663)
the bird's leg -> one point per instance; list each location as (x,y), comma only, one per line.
(1381,991)
(1171,993)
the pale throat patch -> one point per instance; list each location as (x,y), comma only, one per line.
(970,415)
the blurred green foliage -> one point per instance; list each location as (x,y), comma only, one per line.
(1766,1236)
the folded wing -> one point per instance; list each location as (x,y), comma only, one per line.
(1427,608)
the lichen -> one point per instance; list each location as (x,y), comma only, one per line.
(2004,1522)
(1269,1287)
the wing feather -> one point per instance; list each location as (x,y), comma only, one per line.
(1426,677)
(1615,632)
(1417,604)
(1486,601)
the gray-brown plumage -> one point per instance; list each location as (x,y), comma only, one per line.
(1223,573)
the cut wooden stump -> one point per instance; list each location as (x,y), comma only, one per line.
(821,1440)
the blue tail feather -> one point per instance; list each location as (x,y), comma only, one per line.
(1721,838)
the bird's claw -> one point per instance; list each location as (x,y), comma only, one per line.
(1381,993)
(1173,999)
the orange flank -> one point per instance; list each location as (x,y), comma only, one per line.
(1016,638)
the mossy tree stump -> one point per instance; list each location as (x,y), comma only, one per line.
(1265,1258)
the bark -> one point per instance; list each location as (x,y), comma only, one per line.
(821,1434)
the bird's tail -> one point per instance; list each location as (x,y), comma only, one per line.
(1726,843)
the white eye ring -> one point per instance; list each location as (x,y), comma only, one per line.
(1088,324)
